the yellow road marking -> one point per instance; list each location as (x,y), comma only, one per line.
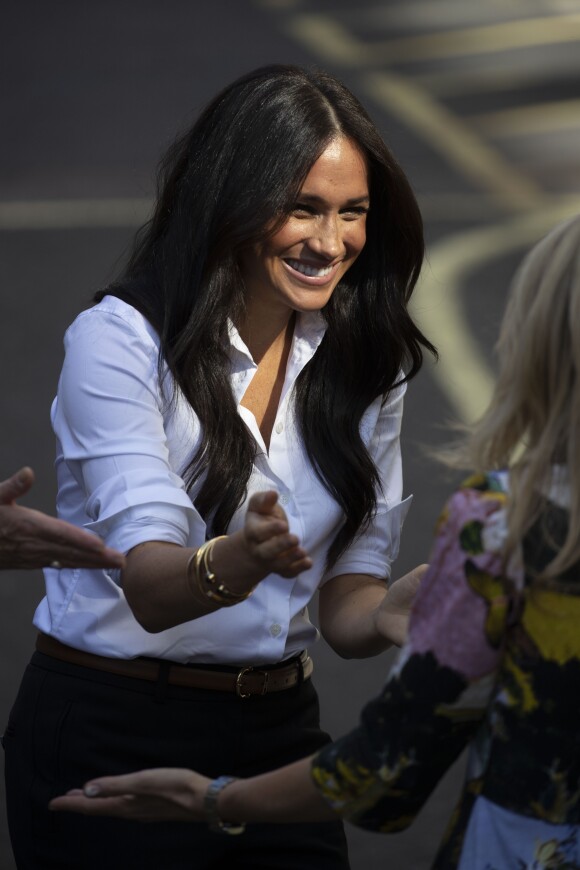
(462,373)
(454,139)
(325,36)
(530,120)
(71,213)
(487,39)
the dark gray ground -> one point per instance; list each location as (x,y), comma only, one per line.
(92,95)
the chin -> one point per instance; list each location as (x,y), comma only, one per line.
(310,300)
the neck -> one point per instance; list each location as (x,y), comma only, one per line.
(264,332)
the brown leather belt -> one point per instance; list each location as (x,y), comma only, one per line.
(244,681)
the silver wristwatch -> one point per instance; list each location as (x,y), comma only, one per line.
(210,808)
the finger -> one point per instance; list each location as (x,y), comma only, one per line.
(141,782)
(413,577)
(263,502)
(112,786)
(54,558)
(259,528)
(295,568)
(16,486)
(419,570)
(115,806)
(278,546)
(68,557)
(290,562)
(66,536)
(56,540)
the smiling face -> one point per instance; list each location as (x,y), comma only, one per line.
(298,267)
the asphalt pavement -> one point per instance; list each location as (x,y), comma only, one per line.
(479,102)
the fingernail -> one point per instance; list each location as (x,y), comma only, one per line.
(91,790)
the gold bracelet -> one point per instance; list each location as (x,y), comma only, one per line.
(206,581)
(192,578)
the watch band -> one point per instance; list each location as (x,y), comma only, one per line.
(210,808)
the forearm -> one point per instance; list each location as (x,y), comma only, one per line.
(348,610)
(284,795)
(360,616)
(164,588)
(162,591)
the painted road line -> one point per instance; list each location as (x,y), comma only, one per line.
(530,120)
(327,37)
(462,373)
(455,140)
(73,213)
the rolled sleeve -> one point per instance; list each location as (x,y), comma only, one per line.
(374,551)
(108,418)
(376,548)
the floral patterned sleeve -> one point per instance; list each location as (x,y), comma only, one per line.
(380,774)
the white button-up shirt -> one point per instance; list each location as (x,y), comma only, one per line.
(120,455)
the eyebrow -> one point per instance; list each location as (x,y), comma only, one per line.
(310,197)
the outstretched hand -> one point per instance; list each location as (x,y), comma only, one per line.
(263,546)
(31,539)
(163,794)
(392,616)
(268,538)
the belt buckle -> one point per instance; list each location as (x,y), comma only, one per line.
(239,679)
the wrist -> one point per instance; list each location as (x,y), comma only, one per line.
(391,623)
(233,560)
(204,581)
(215,805)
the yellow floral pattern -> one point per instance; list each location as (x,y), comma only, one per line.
(492,661)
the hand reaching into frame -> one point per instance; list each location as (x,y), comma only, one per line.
(31,539)
(162,794)
(264,546)
(268,539)
(392,615)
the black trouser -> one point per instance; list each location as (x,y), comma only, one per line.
(70,724)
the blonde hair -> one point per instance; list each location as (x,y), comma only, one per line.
(533,420)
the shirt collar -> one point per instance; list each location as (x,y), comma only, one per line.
(308,333)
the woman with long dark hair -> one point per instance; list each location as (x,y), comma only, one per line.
(493,654)
(227,416)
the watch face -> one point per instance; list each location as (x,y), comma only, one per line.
(210,807)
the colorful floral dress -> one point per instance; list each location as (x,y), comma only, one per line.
(492,661)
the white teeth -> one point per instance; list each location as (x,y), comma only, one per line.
(310,271)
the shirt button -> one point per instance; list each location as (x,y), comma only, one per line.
(284,498)
(279,426)
(275,629)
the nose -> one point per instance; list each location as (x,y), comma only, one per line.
(326,240)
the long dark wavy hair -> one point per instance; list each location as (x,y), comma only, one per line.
(228,183)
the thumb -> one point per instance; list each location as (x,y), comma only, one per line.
(16,486)
(263,502)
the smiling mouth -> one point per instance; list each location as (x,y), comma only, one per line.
(308,270)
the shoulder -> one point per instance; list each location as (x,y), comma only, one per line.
(112,323)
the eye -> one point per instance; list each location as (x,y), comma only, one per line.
(354,211)
(303,209)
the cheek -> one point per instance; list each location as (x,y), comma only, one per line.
(357,239)
(285,238)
